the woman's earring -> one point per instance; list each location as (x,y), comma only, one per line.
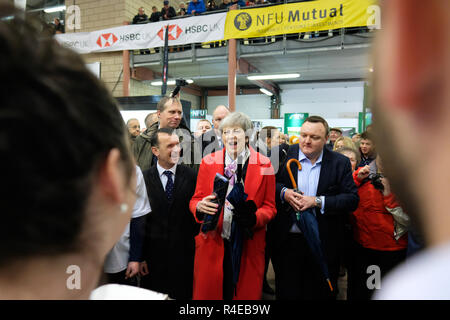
(123,208)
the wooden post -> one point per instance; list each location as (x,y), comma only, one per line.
(232,74)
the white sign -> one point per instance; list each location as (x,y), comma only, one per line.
(143,36)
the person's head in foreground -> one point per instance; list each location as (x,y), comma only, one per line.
(411,124)
(66,198)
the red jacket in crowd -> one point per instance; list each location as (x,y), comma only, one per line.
(373,225)
(259,185)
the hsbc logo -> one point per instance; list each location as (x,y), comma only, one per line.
(174,32)
(106,40)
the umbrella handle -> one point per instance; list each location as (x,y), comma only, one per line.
(288,167)
(329,284)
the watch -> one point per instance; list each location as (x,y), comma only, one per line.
(318,202)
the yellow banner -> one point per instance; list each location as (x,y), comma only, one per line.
(299,17)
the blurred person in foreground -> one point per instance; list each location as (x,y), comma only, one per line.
(411,115)
(76,190)
(213,266)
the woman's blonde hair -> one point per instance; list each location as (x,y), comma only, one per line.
(347,143)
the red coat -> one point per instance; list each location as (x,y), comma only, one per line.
(373,225)
(259,185)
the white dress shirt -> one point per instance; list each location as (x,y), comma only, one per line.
(163,177)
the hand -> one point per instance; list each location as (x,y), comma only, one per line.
(143,268)
(132,270)
(363,173)
(293,198)
(207,206)
(307,202)
(386,185)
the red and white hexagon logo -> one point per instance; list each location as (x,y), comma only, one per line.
(174,32)
(106,40)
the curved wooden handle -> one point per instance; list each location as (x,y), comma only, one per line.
(288,167)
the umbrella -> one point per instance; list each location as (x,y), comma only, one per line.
(237,198)
(306,221)
(220,190)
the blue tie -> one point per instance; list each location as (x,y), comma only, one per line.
(169,185)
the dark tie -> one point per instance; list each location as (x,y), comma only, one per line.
(169,185)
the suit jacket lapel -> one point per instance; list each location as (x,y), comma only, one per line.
(159,187)
(179,181)
(324,172)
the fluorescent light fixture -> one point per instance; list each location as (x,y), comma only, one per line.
(169,82)
(273,76)
(55,9)
(266,91)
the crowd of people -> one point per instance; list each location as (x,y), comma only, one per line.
(202,230)
(194,7)
(341,179)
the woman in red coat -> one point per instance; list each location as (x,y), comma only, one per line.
(212,273)
(380,240)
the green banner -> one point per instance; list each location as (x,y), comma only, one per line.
(293,122)
(361,125)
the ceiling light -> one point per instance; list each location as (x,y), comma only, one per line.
(273,76)
(169,82)
(266,91)
(371,70)
(55,9)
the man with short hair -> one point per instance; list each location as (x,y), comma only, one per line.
(268,138)
(202,126)
(170,230)
(211,141)
(167,12)
(155,16)
(141,17)
(327,187)
(411,116)
(334,134)
(169,112)
(367,150)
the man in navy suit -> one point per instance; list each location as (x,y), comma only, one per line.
(327,187)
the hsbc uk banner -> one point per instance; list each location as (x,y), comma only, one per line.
(196,29)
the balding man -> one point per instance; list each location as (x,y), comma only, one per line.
(211,141)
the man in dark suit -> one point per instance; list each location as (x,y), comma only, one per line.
(328,188)
(211,141)
(170,230)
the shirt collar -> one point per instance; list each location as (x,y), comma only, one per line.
(161,169)
(302,157)
(244,154)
